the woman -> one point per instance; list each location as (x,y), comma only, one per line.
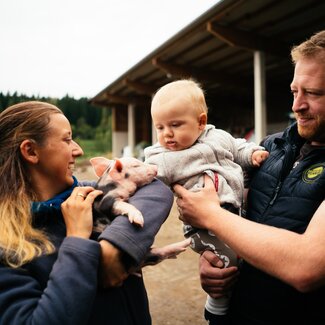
(53,269)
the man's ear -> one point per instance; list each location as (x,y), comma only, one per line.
(28,151)
(203,118)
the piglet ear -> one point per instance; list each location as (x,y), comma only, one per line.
(118,165)
(116,169)
(100,164)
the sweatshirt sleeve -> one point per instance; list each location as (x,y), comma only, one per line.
(154,201)
(68,295)
(244,151)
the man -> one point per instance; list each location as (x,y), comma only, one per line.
(282,279)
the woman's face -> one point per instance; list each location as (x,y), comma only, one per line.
(56,158)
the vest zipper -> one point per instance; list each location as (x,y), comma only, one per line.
(289,156)
(276,192)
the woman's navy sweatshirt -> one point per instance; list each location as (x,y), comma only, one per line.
(62,288)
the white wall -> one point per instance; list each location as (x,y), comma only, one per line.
(119,141)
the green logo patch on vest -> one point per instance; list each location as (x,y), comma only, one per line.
(313,173)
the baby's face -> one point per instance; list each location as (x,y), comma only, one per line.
(177,123)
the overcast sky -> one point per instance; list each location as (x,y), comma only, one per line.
(77,47)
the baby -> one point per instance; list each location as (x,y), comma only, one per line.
(188,148)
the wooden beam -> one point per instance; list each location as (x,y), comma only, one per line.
(172,69)
(140,87)
(99,103)
(126,100)
(181,71)
(247,40)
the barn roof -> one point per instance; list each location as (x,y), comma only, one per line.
(217,50)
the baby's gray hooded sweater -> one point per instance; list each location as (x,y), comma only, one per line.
(215,151)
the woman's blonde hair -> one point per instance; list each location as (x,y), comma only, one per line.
(19,241)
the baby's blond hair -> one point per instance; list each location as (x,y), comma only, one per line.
(189,89)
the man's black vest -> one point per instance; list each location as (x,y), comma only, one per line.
(285,193)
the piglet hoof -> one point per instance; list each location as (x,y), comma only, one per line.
(136,218)
(158,254)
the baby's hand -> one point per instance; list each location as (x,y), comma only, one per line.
(258,157)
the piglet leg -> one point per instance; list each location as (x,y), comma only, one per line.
(124,208)
(158,254)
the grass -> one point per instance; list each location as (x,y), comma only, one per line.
(90,150)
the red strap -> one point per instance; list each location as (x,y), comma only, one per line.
(216,181)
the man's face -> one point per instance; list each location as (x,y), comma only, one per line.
(308,88)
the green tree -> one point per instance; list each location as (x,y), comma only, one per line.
(103,135)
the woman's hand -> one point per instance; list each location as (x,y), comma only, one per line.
(216,280)
(196,208)
(112,270)
(77,211)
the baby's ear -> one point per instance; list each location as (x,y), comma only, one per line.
(100,164)
(203,119)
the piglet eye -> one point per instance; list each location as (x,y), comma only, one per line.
(127,175)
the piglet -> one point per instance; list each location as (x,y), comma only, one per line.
(119,179)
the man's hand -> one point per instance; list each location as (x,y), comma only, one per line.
(112,271)
(216,280)
(193,206)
